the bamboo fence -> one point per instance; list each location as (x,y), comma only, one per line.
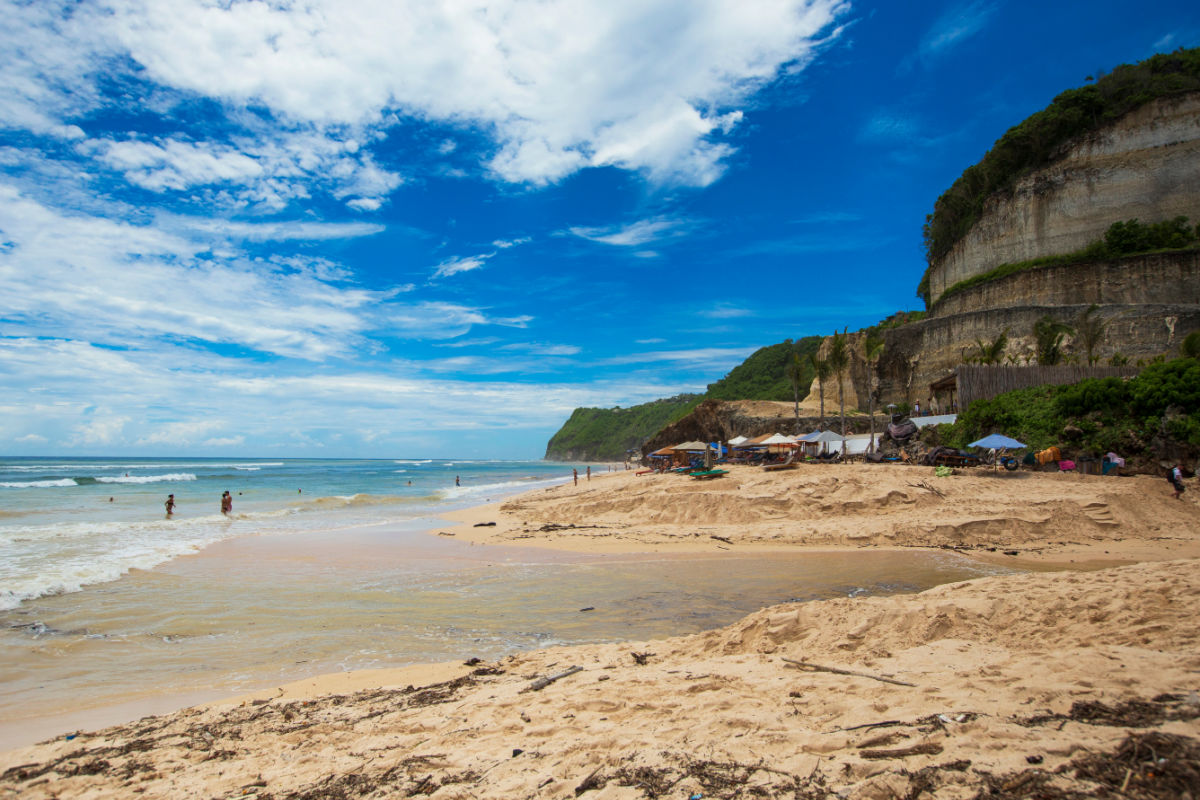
(979,382)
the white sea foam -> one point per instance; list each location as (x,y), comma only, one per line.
(417,462)
(173,477)
(38,484)
(69,556)
(78,466)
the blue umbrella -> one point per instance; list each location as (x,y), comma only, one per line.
(998,441)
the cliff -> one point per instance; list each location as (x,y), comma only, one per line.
(1145,165)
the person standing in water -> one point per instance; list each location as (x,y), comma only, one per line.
(226,503)
(170,505)
(456,483)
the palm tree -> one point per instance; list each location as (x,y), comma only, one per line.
(839,359)
(991,352)
(795,374)
(1091,332)
(1049,334)
(821,370)
(873,348)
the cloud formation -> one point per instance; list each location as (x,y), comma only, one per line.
(557,86)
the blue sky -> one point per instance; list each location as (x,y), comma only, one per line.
(384,228)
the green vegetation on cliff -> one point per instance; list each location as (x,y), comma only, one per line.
(1130,417)
(605,434)
(1040,139)
(1127,238)
(763,375)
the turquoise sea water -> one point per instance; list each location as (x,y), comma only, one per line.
(66,523)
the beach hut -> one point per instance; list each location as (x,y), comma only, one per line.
(821,440)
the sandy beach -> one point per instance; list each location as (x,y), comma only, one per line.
(1029,518)
(1080,676)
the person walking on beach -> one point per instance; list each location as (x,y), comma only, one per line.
(170,505)
(589,473)
(1175,476)
(226,503)
(575,475)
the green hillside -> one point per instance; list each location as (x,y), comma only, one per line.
(762,376)
(605,434)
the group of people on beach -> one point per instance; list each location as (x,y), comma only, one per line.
(226,504)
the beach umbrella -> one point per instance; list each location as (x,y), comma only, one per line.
(735,441)
(690,447)
(827,436)
(778,438)
(998,441)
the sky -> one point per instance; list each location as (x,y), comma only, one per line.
(379,228)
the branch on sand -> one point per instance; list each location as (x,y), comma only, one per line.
(542,683)
(818,668)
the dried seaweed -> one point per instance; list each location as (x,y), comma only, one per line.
(1128,714)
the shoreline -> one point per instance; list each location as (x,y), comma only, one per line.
(603,518)
(996,673)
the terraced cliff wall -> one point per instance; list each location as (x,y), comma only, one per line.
(1145,166)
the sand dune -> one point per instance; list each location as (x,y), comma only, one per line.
(1045,516)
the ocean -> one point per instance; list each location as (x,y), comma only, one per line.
(325,566)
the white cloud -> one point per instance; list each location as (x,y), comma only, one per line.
(558,86)
(102,429)
(267,171)
(226,403)
(504,244)
(956,24)
(726,311)
(116,282)
(224,441)
(634,234)
(728,356)
(31,438)
(457,264)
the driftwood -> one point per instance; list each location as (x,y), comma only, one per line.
(925,749)
(836,671)
(720,538)
(542,683)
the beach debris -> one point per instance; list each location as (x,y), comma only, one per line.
(720,538)
(591,782)
(1129,714)
(445,533)
(484,525)
(928,487)
(641,658)
(542,683)
(922,749)
(837,671)
(589,608)
(470,662)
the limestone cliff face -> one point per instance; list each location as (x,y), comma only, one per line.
(1146,166)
